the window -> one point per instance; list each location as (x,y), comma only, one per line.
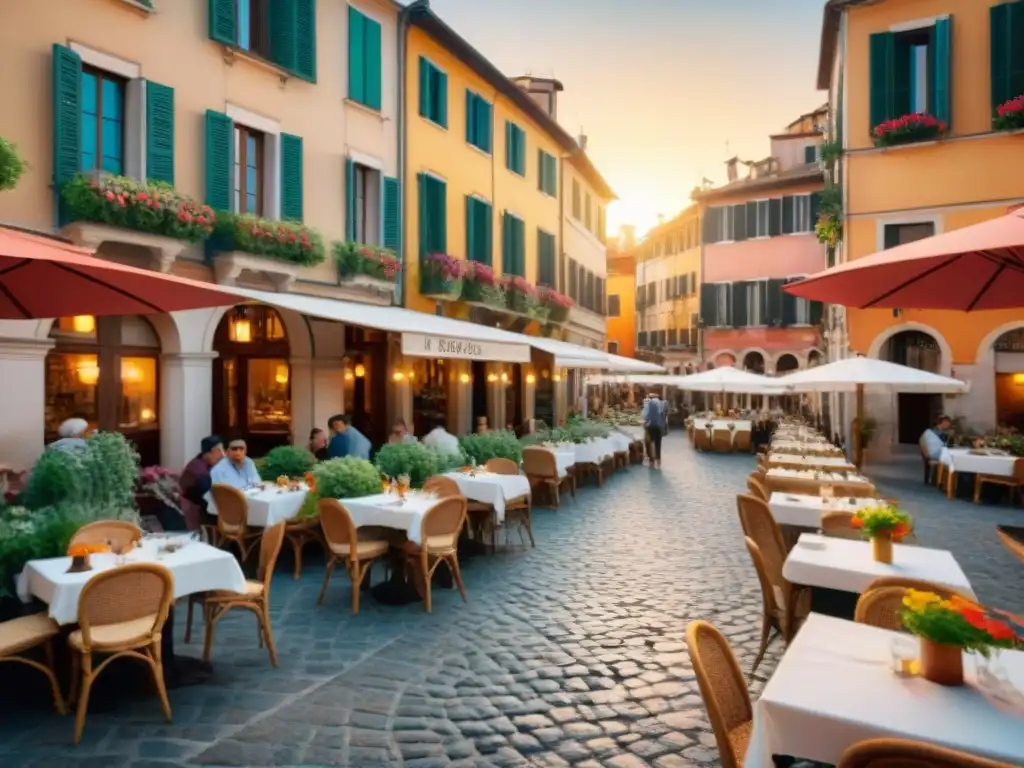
(103,125)
(547,180)
(762,218)
(513,250)
(364,59)
(248,189)
(433,93)
(479,230)
(716,304)
(803,312)
(252,26)
(1007,60)
(367,205)
(901,234)
(577,200)
(478,121)
(810,154)
(281,31)
(515,148)
(433,214)
(613,347)
(545,258)
(587,212)
(613,305)
(802,213)
(910,72)
(755,302)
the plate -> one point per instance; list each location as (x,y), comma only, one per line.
(809,542)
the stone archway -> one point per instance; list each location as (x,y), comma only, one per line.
(915,412)
(754,361)
(1006,362)
(724,358)
(945,364)
(787,362)
(815,358)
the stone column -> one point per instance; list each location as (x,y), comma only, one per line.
(460,402)
(303,398)
(560,386)
(23,405)
(328,393)
(529,392)
(186,405)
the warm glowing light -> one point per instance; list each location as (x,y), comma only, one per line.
(1018,379)
(147,415)
(464,378)
(83,324)
(546,373)
(348,375)
(492,377)
(241,330)
(411,375)
(530,378)
(360,371)
(131,373)
(281,376)
(557,377)
(88,373)
(397,376)
(504,376)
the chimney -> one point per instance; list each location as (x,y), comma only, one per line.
(582,140)
(543,90)
(731,170)
(628,237)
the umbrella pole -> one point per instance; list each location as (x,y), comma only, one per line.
(858,448)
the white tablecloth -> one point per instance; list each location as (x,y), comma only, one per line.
(834,687)
(847,565)
(620,442)
(806,511)
(594,451)
(491,488)
(386,510)
(565,457)
(827,462)
(738,424)
(267,507)
(813,476)
(962,460)
(196,567)
(783,445)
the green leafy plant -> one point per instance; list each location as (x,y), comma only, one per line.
(868,427)
(412,459)
(831,151)
(156,209)
(449,461)
(288,460)
(481,446)
(11,165)
(959,622)
(35,534)
(346,478)
(287,241)
(370,260)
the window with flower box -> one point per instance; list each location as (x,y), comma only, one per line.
(910,72)
(1006,28)
(280,31)
(513,250)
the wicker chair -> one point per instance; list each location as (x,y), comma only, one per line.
(723,689)
(255,598)
(121,613)
(439,540)
(299,533)
(442,486)
(701,440)
(26,633)
(541,469)
(930,465)
(721,441)
(1015,482)
(344,543)
(1011,540)
(117,533)
(839,525)
(881,604)
(756,488)
(518,511)
(741,441)
(232,519)
(903,753)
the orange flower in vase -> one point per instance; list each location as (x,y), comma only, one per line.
(310,479)
(79,554)
(282,481)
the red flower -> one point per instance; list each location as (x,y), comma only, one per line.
(857,522)
(975,618)
(997,630)
(109,195)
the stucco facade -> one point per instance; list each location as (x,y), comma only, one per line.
(622,298)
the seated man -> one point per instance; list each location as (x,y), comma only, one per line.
(236,469)
(934,440)
(195,481)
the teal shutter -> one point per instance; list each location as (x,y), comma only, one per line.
(471,244)
(440,212)
(521,151)
(291,177)
(815,206)
(774,217)
(424,87)
(472,129)
(424,209)
(305,39)
(356,56)
(815,311)
(942,41)
(788,306)
(159,132)
(67,125)
(485,224)
(542,172)
(442,98)
(223,22)
(773,303)
(882,75)
(371,45)
(521,248)
(1006,28)
(810,154)
(509,146)
(788,215)
(1016,57)
(483,124)
(739,222)
(281,17)
(507,261)
(219,158)
(350,200)
(392,215)
(739,303)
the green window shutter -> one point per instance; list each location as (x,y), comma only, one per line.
(520,247)
(350,200)
(439,215)
(521,151)
(372,47)
(223,22)
(291,177)
(305,40)
(815,312)
(471,244)
(542,172)
(753,226)
(788,306)
(219,160)
(739,303)
(891,236)
(739,222)
(67,125)
(471,131)
(774,217)
(883,56)
(281,16)
(788,215)
(773,304)
(815,208)
(486,224)
(810,154)
(1000,47)
(424,210)
(442,99)
(483,125)
(159,132)
(392,215)
(507,262)
(942,42)
(509,148)
(424,87)
(356,56)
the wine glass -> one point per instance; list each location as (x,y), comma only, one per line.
(403,486)
(117,548)
(385,484)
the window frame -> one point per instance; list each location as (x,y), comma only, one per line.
(121,82)
(515,151)
(241,132)
(614,305)
(433,98)
(261,47)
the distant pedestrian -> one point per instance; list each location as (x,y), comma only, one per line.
(654,425)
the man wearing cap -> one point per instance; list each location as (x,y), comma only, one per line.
(195,481)
(236,469)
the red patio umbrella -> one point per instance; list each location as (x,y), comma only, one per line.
(973,268)
(44,277)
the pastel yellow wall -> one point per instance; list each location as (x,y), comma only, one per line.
(622,329)
(466,170)
(172,48)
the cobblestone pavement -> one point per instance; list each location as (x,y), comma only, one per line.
(569,654)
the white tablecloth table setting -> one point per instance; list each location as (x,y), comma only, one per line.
(565,457)
(268,506)
(834,687)
(810,462)
(783,445)
(846,565)
(958,460)
(196,567)
(593,451)
(491,488)
(388,511)
(620,442)
(805,511)
(815,477)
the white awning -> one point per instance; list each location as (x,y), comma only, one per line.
(609,363)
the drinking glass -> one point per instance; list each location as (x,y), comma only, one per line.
(385,484)
(403,486)
(903,652)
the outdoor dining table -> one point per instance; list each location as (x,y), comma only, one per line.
(268,506)
(791,461)
(491,488)
(565,457)
(593,451)
(835,687)
(805,511)
(813,480)
(819,447)
(968,460)
(387,510)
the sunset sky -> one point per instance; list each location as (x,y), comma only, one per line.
(658,86)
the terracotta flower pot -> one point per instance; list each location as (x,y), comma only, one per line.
(881,548)
(942,664)
(79,564)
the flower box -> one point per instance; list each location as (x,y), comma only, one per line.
(286,241)
(480,285)
(908,129)
(520,294)
(372,261)
(161,251)
(1010,116)
(558,304)
(441,275)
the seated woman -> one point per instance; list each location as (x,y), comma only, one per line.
(318,444)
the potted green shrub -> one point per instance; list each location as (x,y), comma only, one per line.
(481,446)
(289,460)
(412,459)
(346,478)
(11,165)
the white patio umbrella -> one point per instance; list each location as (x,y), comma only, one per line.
(731,380)
(857,374)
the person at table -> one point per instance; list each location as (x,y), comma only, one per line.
(400,433)
(236,468)
(654,424)
(441,440)
(71,435)
(318,444)
(195,481)
(934,439)
(346,440)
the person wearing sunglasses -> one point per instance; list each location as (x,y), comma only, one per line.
(236,468)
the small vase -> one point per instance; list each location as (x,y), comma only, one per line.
(79,564)
(942,664)
(881,548)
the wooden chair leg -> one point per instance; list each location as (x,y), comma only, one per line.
(188,619)
(453,561)
(327,578)
(157,667)
(528,522)
(58,698)
(356,573)
(425,566)
(211,616)
(297,542)
(83,697)
(264,619)
(766,629)
(977,489)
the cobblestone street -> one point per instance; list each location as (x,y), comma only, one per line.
(569,654)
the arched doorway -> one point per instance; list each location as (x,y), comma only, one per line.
(106,371)
(921,350)
(786,363)
(724,359)
(1009,378)
(252,378)
(814,358)
(753,362)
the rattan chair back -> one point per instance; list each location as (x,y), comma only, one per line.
(337,525)
(756,487)
(232,509)
(540,463)
(502,466)
(117,533)
(903,753)
(757,523)
(839,525)
(721,441)
(444,519)
(128,593)
(442,486)
(270,548)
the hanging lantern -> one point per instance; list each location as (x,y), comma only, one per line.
(281,376)
(240,328)
(360,371)
(83,324)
